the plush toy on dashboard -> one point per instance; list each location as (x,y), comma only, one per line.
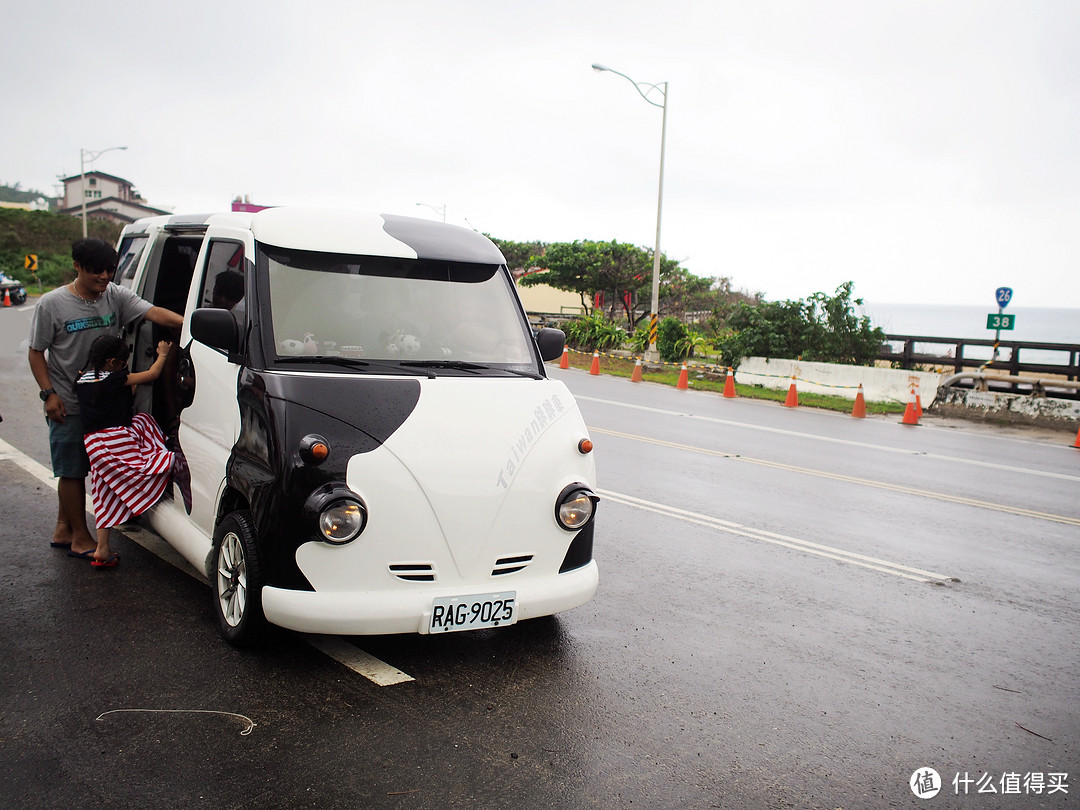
(403,344)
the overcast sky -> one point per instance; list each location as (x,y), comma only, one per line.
(927,150)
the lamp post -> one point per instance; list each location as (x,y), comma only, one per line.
(652,355)
(437,210)
(87,156)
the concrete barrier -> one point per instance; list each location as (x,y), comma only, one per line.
(992,406)
(879,384)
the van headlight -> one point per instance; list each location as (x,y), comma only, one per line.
(575,506)
(342,521)
(339,515)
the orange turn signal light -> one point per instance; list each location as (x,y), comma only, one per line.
(314,449)
(585,446)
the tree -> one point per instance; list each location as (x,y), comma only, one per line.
(518,254)
(588,267)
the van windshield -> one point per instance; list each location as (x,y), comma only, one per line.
(389,310)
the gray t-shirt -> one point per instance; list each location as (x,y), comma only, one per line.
(64,325)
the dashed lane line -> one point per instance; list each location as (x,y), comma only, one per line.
(806,546)
(345,653)
(848,479)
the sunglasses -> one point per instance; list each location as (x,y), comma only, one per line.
(104,270)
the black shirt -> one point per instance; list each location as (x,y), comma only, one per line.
(105,401)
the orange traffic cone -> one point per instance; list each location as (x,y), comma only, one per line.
(565,361)
(595,368)
(684,379)
(729,383)
(636,376)
(1077,442)
(7,298)
(918,401)
(911,415)
(858,410)
(792,400)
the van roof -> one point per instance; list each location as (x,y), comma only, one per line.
(344,231)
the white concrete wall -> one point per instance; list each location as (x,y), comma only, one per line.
(542,298)
(879,384)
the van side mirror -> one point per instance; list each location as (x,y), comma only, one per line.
(550,342)
(217,328)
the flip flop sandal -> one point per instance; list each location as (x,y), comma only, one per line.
(82,555)
(112,562)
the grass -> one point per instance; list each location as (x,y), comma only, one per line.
(618,367)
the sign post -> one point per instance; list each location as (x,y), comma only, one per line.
(32,266)
(1000,321)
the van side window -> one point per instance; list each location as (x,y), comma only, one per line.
(223,281)
(131,248)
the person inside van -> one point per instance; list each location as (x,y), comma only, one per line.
(228,289)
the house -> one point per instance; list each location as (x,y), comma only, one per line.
(107,197)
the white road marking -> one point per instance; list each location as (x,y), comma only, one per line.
(848,479)
(343,652)
(834,440)
(357,660)
(850,557)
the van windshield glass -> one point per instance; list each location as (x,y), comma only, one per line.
(388,309)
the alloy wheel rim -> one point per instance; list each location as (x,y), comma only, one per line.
(232,579)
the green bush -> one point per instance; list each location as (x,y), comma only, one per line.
(594,332)
(669,334)
(822,328)
(639,341)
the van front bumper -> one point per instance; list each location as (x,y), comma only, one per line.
(369,613)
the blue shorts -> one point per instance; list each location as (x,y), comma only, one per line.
(68,451)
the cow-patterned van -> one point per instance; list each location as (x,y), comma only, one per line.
(373,442)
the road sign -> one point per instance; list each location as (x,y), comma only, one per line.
(995,320)
(31,262)
(1004,296)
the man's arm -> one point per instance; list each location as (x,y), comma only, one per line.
(39,367)
(165,317)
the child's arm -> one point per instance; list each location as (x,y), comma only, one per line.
(152,373)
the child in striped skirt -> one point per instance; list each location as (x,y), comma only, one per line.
(129,464)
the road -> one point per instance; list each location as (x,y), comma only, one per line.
(797,609)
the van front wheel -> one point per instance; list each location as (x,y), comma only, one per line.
(237,582)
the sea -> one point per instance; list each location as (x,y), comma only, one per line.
(1032,324)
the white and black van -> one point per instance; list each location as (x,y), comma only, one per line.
(373,442)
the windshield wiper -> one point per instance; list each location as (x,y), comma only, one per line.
(461,365)
(350,362)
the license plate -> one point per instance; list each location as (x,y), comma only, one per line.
(450,613)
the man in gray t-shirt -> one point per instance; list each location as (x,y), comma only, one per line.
(64,324)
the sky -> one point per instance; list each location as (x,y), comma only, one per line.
(927,150)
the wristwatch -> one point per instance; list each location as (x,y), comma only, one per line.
(46,393)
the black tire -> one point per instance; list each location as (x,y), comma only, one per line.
(237,582)
(18,297)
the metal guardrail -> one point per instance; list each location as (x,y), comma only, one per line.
(1011,359)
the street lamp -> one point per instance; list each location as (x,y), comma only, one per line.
(652,355)
(437,210)
(85,156)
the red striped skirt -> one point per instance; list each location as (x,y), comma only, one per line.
(129,470)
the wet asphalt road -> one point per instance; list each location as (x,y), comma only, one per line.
(738,653)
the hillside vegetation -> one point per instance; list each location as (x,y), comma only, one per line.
(49,236)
